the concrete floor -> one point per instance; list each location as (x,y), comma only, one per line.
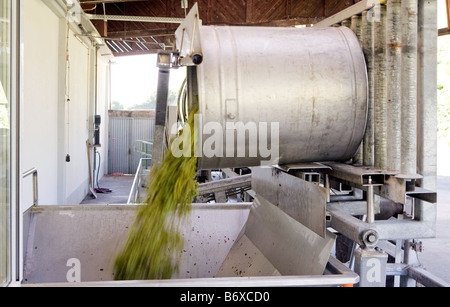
(120,187)
(437,251)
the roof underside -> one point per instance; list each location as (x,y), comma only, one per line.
(132,38)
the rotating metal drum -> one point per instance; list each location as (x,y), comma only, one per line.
(311,83)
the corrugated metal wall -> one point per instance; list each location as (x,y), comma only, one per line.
(124,150)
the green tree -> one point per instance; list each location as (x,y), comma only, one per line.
(117,106)
(150,103)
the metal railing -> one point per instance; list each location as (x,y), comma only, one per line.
(33,172)
(138,182)
(146,148)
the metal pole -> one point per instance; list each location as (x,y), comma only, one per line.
(407,281)
(409,87)
(380,89)
(394,90)
(427,108)
(367,45)
(160,120)
(356,26)
(370,203)
(427,99)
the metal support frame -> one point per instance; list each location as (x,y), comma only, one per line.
(400,139)
(427,106)
(384,184)
(220,187)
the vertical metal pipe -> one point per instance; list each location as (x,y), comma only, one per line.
(380,101)
(409,87)
(394,80)
(370,203)
(356,23)
(367,45)
(35,189)
(427,108)
(427,95)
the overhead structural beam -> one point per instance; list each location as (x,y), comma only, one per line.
(142,33)
(135,18)
(107,1)
(355,9)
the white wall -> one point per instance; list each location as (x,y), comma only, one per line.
(40,99)
(57,116)
(77,117)
(103,100)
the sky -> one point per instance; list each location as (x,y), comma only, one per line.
(135,78)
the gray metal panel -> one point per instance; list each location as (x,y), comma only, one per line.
(302,200)
(123,148)
(118,145)
(92,234)
(268,231)
(142,129)
(53,235)
(291,248)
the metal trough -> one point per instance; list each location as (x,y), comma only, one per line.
(249,244)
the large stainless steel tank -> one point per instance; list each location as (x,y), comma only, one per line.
(312,81)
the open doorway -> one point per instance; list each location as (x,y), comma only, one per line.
(134,82)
